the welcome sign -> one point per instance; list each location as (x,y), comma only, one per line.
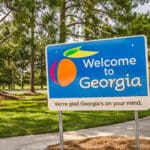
(109,74)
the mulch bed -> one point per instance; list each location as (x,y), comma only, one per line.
(103,143)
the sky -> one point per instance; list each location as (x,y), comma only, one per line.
(143,8)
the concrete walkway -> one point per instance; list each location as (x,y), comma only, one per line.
(39,142)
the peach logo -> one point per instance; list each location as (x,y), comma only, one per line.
(66,69)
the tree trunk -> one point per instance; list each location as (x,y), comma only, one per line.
(62,37)
(14,76)
(86,28)
(32,50)
(22,79)
(32,69)
(41,68)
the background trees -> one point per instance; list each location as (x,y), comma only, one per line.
(27,26)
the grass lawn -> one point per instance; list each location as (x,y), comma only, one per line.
(30,115)
(27,87)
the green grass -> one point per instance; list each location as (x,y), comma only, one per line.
(30,115)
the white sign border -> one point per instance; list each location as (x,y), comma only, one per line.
(145,100)
(109,103)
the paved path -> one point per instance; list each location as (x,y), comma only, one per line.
(24,91)
(39,142)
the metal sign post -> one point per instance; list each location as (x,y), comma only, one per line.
(61,130)
(137,130)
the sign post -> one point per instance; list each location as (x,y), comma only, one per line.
(61,130)
(137,130)
(110,74)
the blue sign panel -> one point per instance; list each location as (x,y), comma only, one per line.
(101,68)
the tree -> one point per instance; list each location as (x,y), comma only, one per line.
(40,64)
(27,26)
(140,24)
(24,19)
(32,27)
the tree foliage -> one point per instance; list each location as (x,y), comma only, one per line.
(27,26)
